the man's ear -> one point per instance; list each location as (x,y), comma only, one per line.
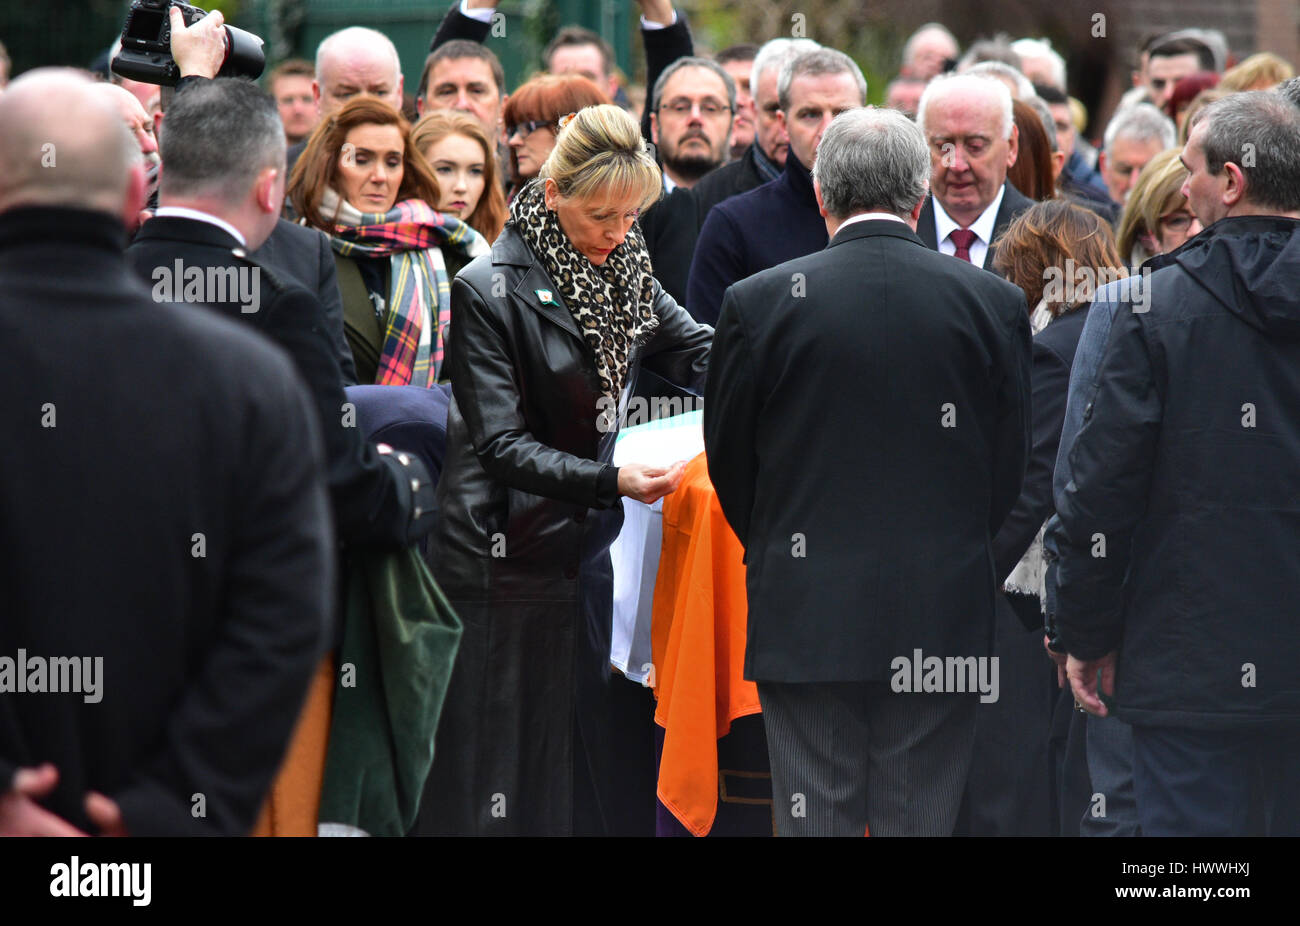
(265,189)
(137,195)
(1013,145)
(1234,190)
(821,206)
(654,128)
(1058,164)
(157,128)
(1101,162)
(920,204)
(419,105)
(315,94)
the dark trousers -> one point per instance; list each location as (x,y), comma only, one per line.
(851,754)
(1113,808)
(1217,783)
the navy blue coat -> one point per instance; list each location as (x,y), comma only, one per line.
(769,225)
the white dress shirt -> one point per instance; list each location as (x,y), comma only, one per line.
(180,212)
(982,227)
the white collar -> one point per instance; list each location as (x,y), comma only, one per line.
(181,212)
(944,224)
(669,186)
(867,217)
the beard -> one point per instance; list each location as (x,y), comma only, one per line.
(692,166)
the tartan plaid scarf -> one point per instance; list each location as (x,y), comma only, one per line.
(418,310)
(613,304)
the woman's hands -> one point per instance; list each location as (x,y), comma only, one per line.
(648,484)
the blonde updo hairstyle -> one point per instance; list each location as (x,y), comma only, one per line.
(600,152)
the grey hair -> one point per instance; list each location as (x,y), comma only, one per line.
(220,135)
(872,160)
(357,35)
(1140,122)
(692,62)
(815,64)
(773,56)
(994,49)
(1042,48)
(925,30)
(1289,90)
(990,86)
(1271,126)
(996,69)
(1045,116)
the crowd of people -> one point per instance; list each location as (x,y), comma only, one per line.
(979,395)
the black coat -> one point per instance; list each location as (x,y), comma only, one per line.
(303,255)
(1053,355)
(731,179)
(1013,203)
(866,439)
(670,231)
(518,547)
(1187,467)
(377,499)
(167,423)
(769,225)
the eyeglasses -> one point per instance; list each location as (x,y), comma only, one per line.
(683,108)
(1177,221)
(527,128)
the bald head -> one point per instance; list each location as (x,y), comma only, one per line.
(134,117)
(353,61)
(63,143)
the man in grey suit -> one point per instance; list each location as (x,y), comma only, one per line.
(867,429)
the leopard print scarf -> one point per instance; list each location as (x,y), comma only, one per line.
(613,304)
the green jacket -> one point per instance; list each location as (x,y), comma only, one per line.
(400,638)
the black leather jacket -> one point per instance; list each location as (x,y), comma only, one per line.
(526,458)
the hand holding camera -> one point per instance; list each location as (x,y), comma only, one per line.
(165,40)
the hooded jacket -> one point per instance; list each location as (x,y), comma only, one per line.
(1180,526)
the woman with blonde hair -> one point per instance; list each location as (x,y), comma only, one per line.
(551,329)
(465,168)
(361,180)
(1156,218)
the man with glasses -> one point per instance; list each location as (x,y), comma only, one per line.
(694,101)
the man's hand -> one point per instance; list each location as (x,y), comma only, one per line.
(648,484)
(20,815)
(657,11)
(1083,680)
(200,49)
(1058,658)
(105,814)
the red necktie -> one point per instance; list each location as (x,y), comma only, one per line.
(963,238)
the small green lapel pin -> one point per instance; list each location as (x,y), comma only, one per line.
(545,295)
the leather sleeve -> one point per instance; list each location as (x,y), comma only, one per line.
(679,349)
(487,395)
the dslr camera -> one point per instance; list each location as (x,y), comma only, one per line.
(146,53)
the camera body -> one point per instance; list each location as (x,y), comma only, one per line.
(146,53)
